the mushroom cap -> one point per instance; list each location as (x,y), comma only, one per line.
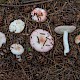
(61,29)
(17,49)
(39,15)
(2,38)
(77,39)
(16,26)
(41,40)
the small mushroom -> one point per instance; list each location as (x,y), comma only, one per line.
(41,40)
(17,50)
(39,15)
(77,39)
(2,39)
(16,26)
(65,30)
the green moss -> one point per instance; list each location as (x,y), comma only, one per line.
(29,49)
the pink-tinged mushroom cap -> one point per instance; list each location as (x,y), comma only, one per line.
(39,15)
(2,39)
(61,29)
(77,39)
(17,49)
(41,40)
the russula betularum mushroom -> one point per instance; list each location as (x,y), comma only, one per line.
(41,40)
(65,30)
(17,50)
(2,39)
(16,26)
(77,39)
(39,15)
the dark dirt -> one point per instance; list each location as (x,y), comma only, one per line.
(52,65)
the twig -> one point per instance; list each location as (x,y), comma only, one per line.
(47,57)
(20,5)
(23,71)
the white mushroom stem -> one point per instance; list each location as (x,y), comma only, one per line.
(18,57)
(65,42)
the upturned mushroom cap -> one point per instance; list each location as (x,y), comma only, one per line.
(41,40)
(2,38)
(61,29)
(17,49)
(77,39)
(16,26)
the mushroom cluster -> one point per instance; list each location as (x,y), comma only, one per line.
(41,40)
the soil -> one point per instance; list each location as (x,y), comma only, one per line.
(52,65)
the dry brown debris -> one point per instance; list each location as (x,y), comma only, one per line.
(52,65)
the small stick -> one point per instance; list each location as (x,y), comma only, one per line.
(7,5)
(23,71)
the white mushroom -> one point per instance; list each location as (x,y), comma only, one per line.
(39,15)
(65,30)
(16,26)
(2,39)
(41,40)
(77,39)
(17,50)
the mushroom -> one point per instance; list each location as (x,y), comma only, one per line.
(17,50)
(41,40)
(77,39)
(2,39)
(16,26)
(65,30)
(39,15)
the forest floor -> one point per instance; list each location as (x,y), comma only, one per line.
(52,65)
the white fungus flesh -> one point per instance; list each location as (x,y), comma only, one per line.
(17,26)
(65,30)
(2,39)
(41,40)
(39,15)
